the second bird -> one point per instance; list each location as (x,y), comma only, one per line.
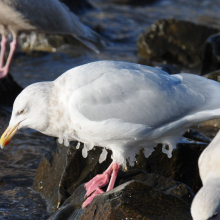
(51,16)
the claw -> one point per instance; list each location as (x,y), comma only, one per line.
(90,198)
(98,181)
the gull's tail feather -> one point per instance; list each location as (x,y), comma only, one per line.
(73,26)
(88,37)
(93,41)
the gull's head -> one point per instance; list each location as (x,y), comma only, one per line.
(30,110)
(206,204)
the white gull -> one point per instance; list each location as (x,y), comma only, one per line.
(206,204)
(119,106)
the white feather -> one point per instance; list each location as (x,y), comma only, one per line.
(120,106)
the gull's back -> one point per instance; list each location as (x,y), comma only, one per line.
(138,94)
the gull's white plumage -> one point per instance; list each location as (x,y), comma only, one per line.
(119,106)
(207,201)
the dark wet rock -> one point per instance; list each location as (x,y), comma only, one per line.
(197,136)
(211,57)
(63,169)
(137,195)
(3,183)
(21,203)
(9,90)
(77,6)
(175,41)
(133,2)
(182,167)
(168,68)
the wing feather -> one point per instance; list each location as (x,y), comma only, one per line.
(141,96)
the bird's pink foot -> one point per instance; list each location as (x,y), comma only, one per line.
(101,180)
(90,198)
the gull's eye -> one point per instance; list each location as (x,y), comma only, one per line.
(214,216)
(21,112)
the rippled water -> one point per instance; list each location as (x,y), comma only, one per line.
(120,24)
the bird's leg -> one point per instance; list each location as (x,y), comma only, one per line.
(4,70)
(101,180)
(90,198)
(115,168)
(3,48)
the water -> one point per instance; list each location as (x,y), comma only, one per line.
(122,25)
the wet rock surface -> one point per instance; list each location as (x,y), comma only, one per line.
(137,195)
(182,167)
(9,89)
(24,200)
(63,169)
(175,41)
(196,136)
(211,57)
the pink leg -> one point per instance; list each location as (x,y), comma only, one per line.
(89,200)
(116,169)
(4,70)
(3,48)
(99,181)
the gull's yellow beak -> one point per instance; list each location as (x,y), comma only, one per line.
(7,135)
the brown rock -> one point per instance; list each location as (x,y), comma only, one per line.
(182,167)
(63,169)
(211,57)
(175,41)
(147,196)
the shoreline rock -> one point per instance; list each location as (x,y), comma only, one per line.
(175,41)
(138,196)
(63,169)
